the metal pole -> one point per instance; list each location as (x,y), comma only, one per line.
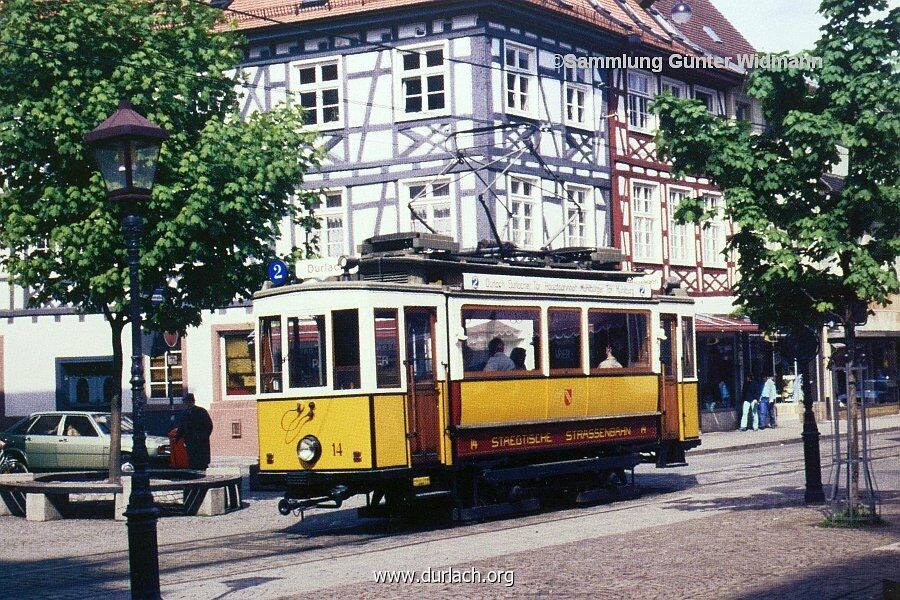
(811,454)
(143,554)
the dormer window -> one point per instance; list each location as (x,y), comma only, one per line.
(712,34)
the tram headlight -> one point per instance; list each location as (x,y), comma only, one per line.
(309,450)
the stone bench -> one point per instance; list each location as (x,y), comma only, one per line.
(46,497)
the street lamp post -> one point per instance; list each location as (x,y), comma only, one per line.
(127,146)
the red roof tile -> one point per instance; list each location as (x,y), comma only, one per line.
(623,17)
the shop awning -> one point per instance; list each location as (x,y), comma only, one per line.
(724,324)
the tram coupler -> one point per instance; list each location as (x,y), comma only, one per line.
(334,499)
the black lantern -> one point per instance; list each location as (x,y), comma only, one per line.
(681,12)
(126,146)
(127,149)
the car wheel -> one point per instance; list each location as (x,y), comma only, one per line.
(127,465)
(14,466)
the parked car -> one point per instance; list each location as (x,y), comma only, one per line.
(75,440)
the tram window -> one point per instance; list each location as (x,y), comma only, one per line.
(387,349)
(618,340)
(510,334)
(687,344)
(306,352)
(270,354)
(345,332)
(565,339)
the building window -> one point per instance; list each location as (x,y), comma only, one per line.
(306,352)
(330,211)
(522,211)
(240,365)
(345,337)
(676,88)
(645,223)
(708,98)
(387,348)
(85,384)
(431,201)
(576,229)
(618,340)
(270,354)
(521,78)
(166,372)
(713,230)
(501,339)
(743,111)
(578,97)
(565,339)
(319,89)
(681,237)
(422,83)
(640,92)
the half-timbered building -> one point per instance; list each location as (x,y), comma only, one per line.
(457,117)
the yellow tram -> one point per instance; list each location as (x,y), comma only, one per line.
(493,377)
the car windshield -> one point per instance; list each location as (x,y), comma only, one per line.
(103,422)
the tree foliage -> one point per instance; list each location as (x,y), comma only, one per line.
(807,252)
(224,184)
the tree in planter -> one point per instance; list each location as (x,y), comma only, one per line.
(808,253)
(223,187)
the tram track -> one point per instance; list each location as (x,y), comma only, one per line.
(260,546)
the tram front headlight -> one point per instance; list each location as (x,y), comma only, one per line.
(309,450)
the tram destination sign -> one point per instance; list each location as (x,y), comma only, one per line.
(555,285)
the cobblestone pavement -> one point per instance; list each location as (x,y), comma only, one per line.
(731,525)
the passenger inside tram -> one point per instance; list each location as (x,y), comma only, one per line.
(517,355)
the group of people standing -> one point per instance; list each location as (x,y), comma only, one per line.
(759,404)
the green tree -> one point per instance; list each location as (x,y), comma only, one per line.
(808,254)
(223,187)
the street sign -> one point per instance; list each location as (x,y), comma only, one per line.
(801,345)
(157,298)
(171,338)
(277,272)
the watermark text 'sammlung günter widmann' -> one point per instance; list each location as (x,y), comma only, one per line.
(682,61)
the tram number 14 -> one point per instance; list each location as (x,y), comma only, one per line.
(337,449)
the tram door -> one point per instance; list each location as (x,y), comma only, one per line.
(422,396)
(669,395)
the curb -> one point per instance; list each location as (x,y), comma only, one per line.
(782,442)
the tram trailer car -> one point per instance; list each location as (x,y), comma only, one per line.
(489,379)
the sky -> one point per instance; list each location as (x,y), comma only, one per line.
(774,25)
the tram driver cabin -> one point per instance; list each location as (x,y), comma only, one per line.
(473,374)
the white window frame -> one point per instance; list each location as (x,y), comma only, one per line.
(713,233)
(687,230)
(426,203)
(587,210)
(573,86)
(654,241)
(297,88)
(673,84)
(422,73)
(646,97)
(149,369)
(323,213)
(529,75)
(223,364)
(512,213)
(715,109)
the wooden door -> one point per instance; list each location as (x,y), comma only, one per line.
(668,359)
(421,380)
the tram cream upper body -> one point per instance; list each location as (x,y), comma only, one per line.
(326,298)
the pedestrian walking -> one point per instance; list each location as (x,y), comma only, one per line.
(752,388)
(195,427)
(767,403)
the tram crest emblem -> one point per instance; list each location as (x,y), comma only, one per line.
(567,396)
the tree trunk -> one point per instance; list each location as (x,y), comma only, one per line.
(852,412)
(115,407)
